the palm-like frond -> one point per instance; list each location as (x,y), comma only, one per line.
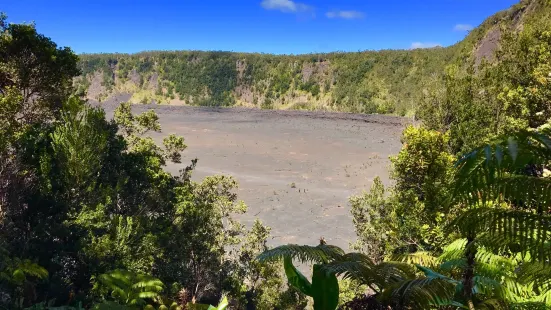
(128,287)
(434,289)
(497,172)
(545,298)
(454,250)
(535,272)
(507,172)
(32,269)
(537,275)
(489,287)
(361,268)
(322,253)
(488,263)
(17,270)
(391,272)
(421,293)
(492,304)
(517,291)
(500,229)
(423,258)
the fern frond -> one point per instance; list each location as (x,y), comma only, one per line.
(392,272)
(423,258)
(500,229)
(496,172)
(322,253)
(454,250)
(517,291)
(487,257)
(29,268)
(545,298)
(538,275)
(359,267)
(489,287)
(454,264)
(421,293)
(434,289)
(129,287)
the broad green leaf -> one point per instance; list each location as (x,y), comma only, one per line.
(295,278)
(325,289)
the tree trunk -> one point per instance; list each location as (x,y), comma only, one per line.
(468,275)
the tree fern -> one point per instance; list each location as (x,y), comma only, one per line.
(129,288)
(433,289)
(505,196)
(359,267)
(324,288)
(497,172)
(321,253)
(394,282)
(17,271)
(528,233)
(423,258)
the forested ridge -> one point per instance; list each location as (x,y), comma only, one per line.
(368,82)
(388,81)
(90,219)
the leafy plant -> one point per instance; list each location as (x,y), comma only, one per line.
(503,225)
(393,284)
(324,288)
(129,288)
(506,199)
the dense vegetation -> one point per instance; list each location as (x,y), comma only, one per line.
(365,82)
(90,220)
(466,223)
(390,81)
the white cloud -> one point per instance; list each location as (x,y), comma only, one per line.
(463,27)
(345,14)
(415,45)
(287,6)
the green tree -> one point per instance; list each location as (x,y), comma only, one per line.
(412,216)
(502,256)
(37,68)
(82,195)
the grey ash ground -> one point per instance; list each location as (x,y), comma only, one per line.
(296,170)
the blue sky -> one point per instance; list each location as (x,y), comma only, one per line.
(268,26)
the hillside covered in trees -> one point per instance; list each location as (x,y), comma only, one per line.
(389,81)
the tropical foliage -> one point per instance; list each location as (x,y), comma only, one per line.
(500,256)
(364,82)
(388,81)
(88,215)
(89,218)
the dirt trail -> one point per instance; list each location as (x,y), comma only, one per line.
(296,170)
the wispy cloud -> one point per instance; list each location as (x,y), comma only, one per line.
(345,14)
(463,27)
(286,6)
(415,45)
